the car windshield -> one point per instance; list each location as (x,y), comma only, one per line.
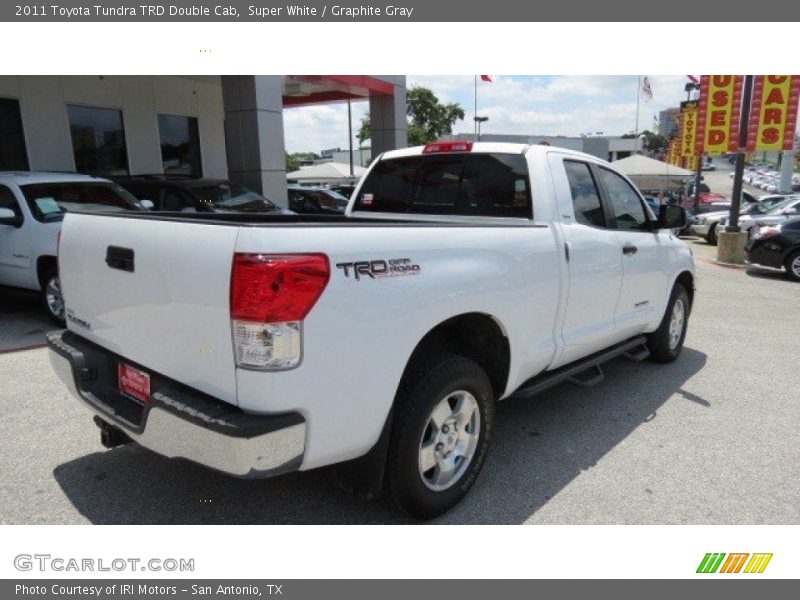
(49,201)
(234,197)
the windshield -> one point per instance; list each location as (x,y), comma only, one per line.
(781,205)
(234,197)
(49,201)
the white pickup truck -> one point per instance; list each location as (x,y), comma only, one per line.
(460,275)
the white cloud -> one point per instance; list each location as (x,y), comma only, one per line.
(315,128)
(565,105)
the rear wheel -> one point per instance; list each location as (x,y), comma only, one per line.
(440,435)
(792,265)
(52,299)
(711,236)
(666,342)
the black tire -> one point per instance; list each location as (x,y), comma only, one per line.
(792,273)
(711,236)
(659,342)
(50,276)
(423,389)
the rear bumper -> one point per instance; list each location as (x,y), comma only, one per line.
(179,421)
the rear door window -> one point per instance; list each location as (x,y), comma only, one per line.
(487,185)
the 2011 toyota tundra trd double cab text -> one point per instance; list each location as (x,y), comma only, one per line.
(461,275)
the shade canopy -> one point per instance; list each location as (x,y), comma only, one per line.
(650,174)
(329,172)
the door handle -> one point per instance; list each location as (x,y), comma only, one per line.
(629,249)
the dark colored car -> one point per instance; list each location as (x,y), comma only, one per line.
(345,190)
(195,194)
(316,200)
(777,246)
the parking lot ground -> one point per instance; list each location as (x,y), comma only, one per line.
(713,438)
(22,321)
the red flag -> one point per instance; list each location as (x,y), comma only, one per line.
(486,78)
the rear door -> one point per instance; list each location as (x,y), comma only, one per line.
(594,260)
(643,255)
(165,305)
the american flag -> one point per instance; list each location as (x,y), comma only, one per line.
(647,91)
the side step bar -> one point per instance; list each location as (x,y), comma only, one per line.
(585,372)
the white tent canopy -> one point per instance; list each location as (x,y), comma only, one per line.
(650,174)
(329,172)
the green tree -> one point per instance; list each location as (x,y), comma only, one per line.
(293,159)
(428,118)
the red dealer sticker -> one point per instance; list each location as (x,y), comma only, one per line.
(134,383)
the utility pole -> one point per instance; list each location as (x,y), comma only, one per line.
(350,137)
(698,177)
(738,173)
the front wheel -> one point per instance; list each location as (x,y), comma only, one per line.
(793,266)
(440,436)
(51,296)
(711,236)
(666,342)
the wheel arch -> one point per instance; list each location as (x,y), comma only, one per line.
(44,264)
(686,279)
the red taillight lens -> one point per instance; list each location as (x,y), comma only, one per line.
(447,147)
(275,288)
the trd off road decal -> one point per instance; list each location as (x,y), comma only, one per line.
(377,269)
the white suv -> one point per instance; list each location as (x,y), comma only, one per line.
(32,206)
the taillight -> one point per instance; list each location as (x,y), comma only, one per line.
(437,147)
(271,294)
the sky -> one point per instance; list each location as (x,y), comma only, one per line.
(536,105)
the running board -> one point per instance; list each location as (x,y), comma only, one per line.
(586,371)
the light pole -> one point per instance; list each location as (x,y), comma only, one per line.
(478,121)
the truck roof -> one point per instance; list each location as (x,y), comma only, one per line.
(498,147)
(26,177)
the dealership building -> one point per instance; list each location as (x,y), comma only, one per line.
(228,127)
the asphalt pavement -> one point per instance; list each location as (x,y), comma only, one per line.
(713,438)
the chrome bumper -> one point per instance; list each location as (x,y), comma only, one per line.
(175,425)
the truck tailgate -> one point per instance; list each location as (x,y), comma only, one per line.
(156,292)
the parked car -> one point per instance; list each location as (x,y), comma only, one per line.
(782,211)
(345,189)
(777,246)
(32,207)
(382,337)
(316,200)
(706,224)
(174,193)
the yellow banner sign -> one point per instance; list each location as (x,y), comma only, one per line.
(688,128)
(773,112)
(718,114)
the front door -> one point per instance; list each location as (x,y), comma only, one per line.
(594,261)
(644,280)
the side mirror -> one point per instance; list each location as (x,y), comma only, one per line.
(9,217)
(148,204)
(671,216)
